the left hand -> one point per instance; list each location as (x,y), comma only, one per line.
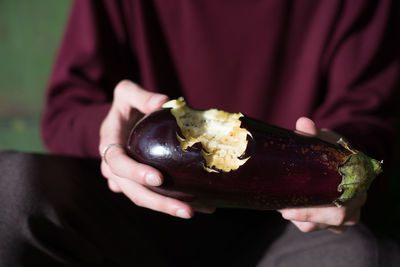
(323,217)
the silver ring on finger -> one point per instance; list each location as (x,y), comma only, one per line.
(105,149)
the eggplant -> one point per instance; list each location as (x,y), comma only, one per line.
(216,158)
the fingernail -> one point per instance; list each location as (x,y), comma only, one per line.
(157,100)
(153,179)
(182,214)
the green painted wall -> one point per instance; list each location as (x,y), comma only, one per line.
(30,32)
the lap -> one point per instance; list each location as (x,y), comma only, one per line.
(62,212)
(59,212)
(357,246)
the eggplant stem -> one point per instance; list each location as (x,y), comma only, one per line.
(358,172)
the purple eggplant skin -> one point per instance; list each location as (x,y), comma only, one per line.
(285,169)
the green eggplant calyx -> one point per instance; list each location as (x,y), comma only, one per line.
(358,171)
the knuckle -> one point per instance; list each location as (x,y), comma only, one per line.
(105,171)
(303,215)
(111,167)
(167,205)
(307,227)
(106,174)
(121,88)
(164,206)
(113,186)
(340,218)
(308,215)
(138,201)
(147,103)
(123,84)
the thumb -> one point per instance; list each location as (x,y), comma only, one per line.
(306,126)
(132,95)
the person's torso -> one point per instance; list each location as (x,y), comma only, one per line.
(261,58)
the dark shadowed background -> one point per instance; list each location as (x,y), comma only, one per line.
(30,33)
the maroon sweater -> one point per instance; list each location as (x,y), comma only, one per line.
(274,60)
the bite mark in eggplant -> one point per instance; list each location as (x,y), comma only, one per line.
(219,132)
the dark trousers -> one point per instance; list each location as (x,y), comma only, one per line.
(58,211)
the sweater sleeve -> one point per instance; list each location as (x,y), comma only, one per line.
(361,71)
(92,59)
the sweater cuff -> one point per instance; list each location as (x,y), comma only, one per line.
(75,131)
(89,122)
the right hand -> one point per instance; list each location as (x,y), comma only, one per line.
(123,173)
(329,217)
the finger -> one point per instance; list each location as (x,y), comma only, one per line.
(124,167)
(307,227)
(346,215)
(325,215)
(134,96)
(146,198)
(143,197)
(306,126)
(353,210)
(105,170)
(113,186)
